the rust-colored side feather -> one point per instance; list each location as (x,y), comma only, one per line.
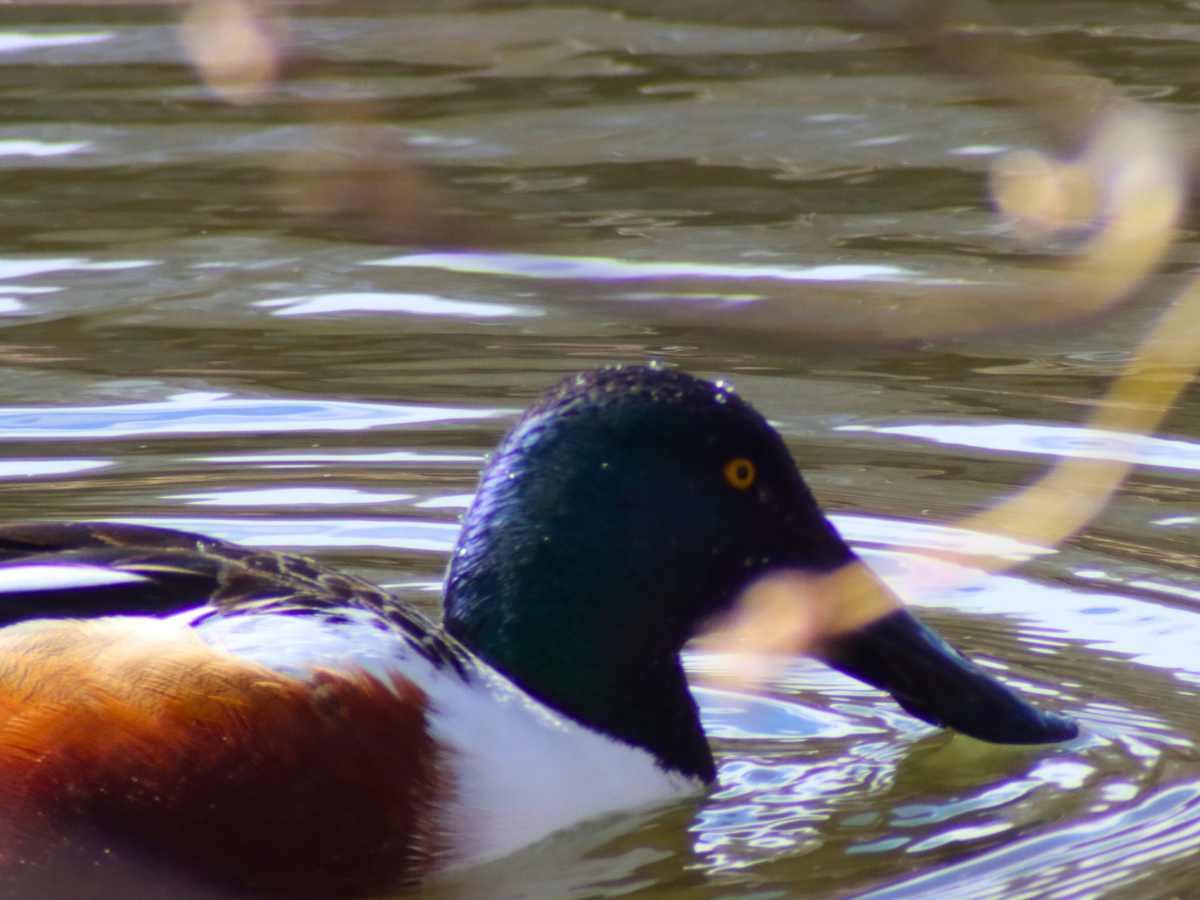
(136,759)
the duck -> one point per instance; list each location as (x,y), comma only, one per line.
(181,716)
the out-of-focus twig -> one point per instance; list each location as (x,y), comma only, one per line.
(1074,490)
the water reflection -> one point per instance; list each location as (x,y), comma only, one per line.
(415,304)
(414,535)
(1072,862)
(298,496)
(41,148)
(34,468)
(861,795)
(1051,440)
(309,460)
(20,268)
(929,536)
(203,412)
(737,716)
(586,269)
(16,41)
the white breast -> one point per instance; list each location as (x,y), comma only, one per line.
(522,771)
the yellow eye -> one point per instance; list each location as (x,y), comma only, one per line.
(739,473)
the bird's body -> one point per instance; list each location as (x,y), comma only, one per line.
(302,734)
(182,715)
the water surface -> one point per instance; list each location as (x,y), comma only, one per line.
(181,345)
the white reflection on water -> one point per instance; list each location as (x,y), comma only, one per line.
(1076,861)
(213,413)
(41,148)
(15,41)
(928,536)
(398,534)
(883,141)
(19,268)
(451,501)
(595,268)
(313,459)
(1172,521)
(295,496)
(1053,440)
(732,715)
(32,468)
(979,150)
(413,304)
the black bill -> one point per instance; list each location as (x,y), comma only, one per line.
(937,684)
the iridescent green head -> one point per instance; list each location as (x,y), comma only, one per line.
(628,506)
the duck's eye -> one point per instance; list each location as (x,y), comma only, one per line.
(739,473)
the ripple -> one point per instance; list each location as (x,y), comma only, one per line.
(296,496)
(956,835)
(398,534)
(213,413)
(1070,862)
(41,148)
(920,814)
(1053,440)
(272,460)
(730,715)
(33,468)
(412,304)
(16,41)
(19,268)
(450,501)
(927,536)
(594,268)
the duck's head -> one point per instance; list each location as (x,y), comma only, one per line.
(631,505)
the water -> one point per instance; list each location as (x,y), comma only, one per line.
(184,342)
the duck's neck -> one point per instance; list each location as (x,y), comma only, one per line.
(586,632)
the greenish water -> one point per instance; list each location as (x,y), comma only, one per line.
(180,345)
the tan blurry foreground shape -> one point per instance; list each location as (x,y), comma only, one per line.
(789,612)
(235,47)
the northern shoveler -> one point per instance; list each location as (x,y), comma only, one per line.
(183,717)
